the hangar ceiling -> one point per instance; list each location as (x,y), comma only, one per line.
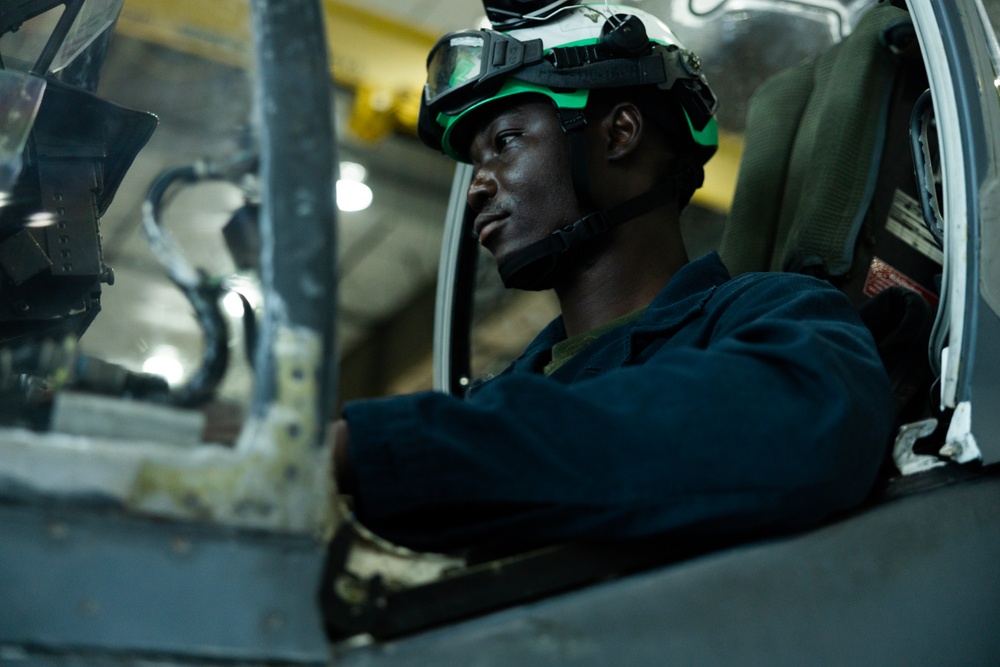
(188,62)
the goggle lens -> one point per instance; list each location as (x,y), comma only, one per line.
(453,64)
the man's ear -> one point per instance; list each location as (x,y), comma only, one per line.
(623,126)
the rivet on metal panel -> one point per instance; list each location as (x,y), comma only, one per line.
(58,530)
(274,621)
(89,607)
(180,545)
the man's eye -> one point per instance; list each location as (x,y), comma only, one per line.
(505,138)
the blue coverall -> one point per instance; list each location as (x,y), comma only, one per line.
(730,405)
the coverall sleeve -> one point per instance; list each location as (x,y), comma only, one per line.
(768,410)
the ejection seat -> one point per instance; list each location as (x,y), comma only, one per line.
(827,187)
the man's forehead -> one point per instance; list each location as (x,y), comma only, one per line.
(482,118)
(506,108)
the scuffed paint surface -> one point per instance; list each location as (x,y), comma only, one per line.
(277,478)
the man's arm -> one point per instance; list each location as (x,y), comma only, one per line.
(774,414)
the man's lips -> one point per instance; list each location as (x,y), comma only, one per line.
(486,223)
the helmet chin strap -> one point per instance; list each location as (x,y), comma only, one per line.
(537,266)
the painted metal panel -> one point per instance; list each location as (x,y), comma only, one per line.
(100,583)
(912,581)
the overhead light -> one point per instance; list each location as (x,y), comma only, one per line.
(233,304)
(41,220)
(352,193)
(165,362)
(238,286)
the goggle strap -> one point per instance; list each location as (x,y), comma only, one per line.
(533,51)
(506,56)
(614,73)
(575,56)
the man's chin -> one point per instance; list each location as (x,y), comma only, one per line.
(502,256)
(504,252)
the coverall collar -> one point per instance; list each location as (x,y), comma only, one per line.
(682,297)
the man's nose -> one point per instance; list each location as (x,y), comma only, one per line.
(482,188)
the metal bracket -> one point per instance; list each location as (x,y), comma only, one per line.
(960,444)
(909,462)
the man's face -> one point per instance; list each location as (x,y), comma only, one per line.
(521,188)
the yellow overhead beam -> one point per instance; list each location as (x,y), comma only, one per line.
(720,174)
(381,59)
(216,29)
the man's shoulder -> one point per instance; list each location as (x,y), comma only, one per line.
(705,285)
(782,295)
(778,280)
(709,274)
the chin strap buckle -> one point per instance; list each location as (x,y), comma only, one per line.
(572,119)
(583,229)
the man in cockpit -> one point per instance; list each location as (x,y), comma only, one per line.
(668,396)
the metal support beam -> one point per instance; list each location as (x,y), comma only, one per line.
(298,211)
